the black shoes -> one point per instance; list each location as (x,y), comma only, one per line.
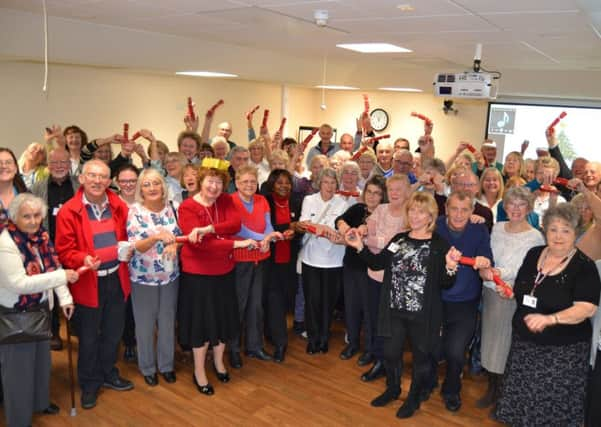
(129,354)
(259,355)
(88,399)
(56,344)
(52,409)
(279,354)
(323,347)
(235,359)
(152,380)
(452,402)
(409,406)
(206,389)
(492,391)
(365,359)
(118,383)
(312,348)
(298,327)
(224,377)
(348,352)
(169,376)
(385,398)
(376,371)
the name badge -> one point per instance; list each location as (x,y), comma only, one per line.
(529,301)
(394,248)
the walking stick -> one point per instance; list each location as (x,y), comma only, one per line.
(71,374)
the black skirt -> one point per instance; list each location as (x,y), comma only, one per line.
(207,309)
(544,385)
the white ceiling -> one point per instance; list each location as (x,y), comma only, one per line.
(543,47)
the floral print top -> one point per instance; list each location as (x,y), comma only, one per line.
(150,267)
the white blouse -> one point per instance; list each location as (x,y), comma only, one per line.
(319,251)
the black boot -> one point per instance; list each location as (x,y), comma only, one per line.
(393,385)
(376,371)
(411,404)
(491,392)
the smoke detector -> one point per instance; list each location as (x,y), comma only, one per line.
(321,17)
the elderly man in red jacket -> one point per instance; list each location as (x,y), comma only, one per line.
(88,229)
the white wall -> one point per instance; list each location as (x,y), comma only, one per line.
(100,100)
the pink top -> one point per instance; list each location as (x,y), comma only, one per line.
(381,227)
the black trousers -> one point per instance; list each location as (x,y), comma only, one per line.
(249,290)
(374,343)
(458,326)
(280,289)
(402,328)
(99,331)
(356,305)
(321,287)
(129,327)
(593,394)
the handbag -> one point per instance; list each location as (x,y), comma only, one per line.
(22,326)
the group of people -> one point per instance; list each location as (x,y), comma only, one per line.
(212,246)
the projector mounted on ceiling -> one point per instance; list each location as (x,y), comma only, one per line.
(476,84)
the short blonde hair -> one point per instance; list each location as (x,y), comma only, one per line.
(149,173)
(280,155)
(247,169)
(425,201)
(547,162)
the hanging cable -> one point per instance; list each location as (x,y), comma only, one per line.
(45,86)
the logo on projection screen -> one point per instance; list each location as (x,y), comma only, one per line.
(502,120)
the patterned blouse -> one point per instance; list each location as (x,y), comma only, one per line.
(149,268)
(409,275)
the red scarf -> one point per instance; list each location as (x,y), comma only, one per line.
(282,216)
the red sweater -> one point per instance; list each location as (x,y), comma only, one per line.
(74,241)
(255,220)
(213,255)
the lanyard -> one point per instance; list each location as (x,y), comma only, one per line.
(540,276)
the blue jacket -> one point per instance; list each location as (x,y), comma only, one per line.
(473,241)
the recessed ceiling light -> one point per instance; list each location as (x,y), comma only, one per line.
(336,87)
(204,74)
(400,89)
(374,48)
(405,7)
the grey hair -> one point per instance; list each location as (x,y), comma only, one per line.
(519,193)
(564,212)
(147,174)
(327,172)
(350,165)
(26,199)
(237,149)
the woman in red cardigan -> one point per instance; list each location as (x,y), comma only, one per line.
(208,309)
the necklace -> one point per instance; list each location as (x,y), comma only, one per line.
(540,276)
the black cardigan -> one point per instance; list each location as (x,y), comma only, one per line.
(437,279)
(295,206)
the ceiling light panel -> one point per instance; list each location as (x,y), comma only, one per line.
(374,47)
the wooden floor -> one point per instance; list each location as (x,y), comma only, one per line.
(319,390)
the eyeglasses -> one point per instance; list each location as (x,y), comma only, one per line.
(403,163)
(7,163)
(354,173)
(97,176)
(248,182)
(148,184)
(127,181)
(516,205)
(60,163)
